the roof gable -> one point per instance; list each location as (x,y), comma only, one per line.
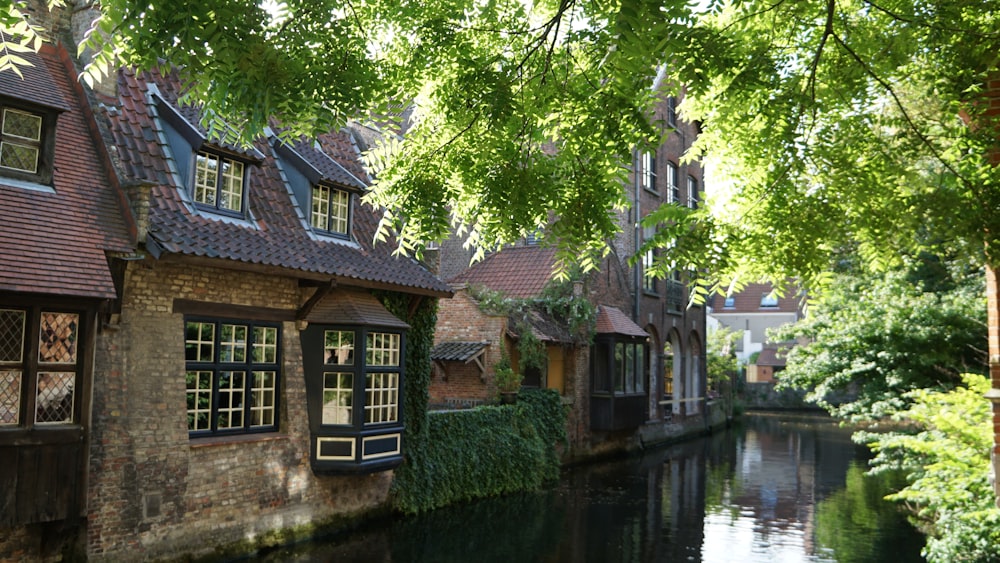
(517,272)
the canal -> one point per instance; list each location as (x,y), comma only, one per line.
(773,488)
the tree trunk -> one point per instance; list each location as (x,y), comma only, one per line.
(993,320)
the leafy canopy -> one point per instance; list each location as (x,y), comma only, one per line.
(826,121)
(881,337)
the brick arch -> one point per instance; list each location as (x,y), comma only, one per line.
(673,369)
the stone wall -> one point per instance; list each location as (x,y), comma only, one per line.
(154,492)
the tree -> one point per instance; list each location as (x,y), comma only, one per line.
(881,337)
(947,465)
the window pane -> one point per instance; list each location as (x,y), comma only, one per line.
(262,394)
(381,397)
(11,335)
(232,343)
(231,197)
(231,390)
(619,367)
(382,349)
(339,211)
(338,397)
(22,124)
(601,376)
(199,342)
(339,347)
(206,178)
(54,397)
(10,396)
(641,368)
(199,400)
(630,368)
(320,212)
(19,157)
(647,166)
(57,338)
(265,345)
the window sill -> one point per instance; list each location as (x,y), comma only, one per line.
(210,441)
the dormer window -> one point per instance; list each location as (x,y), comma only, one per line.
(26,143)
(22,138)
(330,210)
(219,182)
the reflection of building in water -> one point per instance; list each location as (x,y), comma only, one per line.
(781,476)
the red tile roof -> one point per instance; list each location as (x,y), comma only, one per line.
(518,272)
(611,320)
(748,300)
(56,243)
(277,235)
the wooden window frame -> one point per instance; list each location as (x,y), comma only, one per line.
(217,187)
(647,170)
(673,183)
(233,357)
(328,215)
(45,144)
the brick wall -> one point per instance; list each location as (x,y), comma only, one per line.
(155,493)
(460,320)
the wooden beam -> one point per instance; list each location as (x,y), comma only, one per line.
(321,292)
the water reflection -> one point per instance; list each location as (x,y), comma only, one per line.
(773,489)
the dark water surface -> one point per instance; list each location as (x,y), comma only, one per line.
(774,488)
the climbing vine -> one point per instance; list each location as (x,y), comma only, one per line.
(482,452)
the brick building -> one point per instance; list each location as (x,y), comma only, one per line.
(644,322)
(194,344)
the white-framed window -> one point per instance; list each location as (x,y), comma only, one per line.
(673,184)
(730,302)
(232,373)
(768,300)
(672,111)
(43,391)
(219,182)
(382,359)
(330,210)
(693,196)
(647,170)
(338,398)
(649,284)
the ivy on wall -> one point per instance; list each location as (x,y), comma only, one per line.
(487,451)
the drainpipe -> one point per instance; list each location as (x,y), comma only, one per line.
(637,274)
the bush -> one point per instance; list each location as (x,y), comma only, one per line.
(482,452)
(948,466)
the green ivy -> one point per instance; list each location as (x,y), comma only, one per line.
(482,452)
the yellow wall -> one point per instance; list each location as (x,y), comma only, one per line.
(556,377)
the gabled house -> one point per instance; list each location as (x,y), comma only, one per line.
(751,312)
(63,237)
(200,344)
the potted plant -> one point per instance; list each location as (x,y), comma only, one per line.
(507,380)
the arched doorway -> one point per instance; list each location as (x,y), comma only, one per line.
(693,375)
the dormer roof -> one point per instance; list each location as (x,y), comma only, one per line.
(274,235)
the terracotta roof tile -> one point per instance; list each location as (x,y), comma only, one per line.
(611,320)
(518,272)
(276,235)
(749,301)
(56,243)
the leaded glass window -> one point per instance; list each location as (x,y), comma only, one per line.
(20,142)
(44,391)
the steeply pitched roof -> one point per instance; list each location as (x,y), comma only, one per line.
(277,234)
(518,272)
(55,243)
(611,320)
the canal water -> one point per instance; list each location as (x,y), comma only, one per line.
(773,488)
